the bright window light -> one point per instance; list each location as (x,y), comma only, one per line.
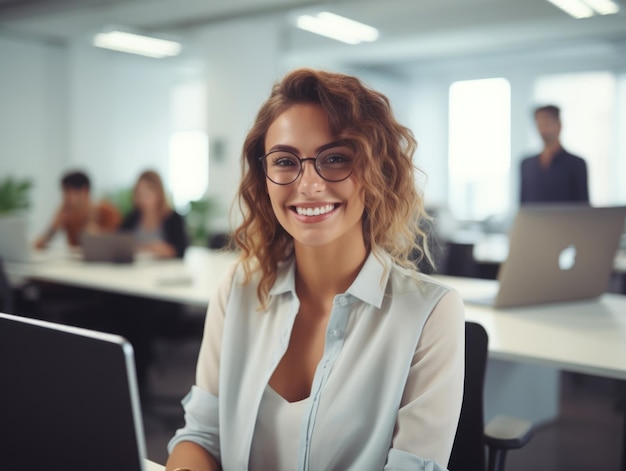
(337,27)
(479,148)
(589,103)
(137,44)
(188,166)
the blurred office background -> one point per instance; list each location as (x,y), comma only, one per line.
(464,75)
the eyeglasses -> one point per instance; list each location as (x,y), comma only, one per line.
(284,167)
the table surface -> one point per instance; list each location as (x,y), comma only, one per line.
(188,281)
(583,336)
(152,466)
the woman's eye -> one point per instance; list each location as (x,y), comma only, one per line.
(335,159)
(284,162)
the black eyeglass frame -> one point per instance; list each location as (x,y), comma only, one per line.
(263,161)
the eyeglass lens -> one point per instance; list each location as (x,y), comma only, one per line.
(284,167)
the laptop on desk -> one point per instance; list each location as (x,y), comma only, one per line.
(68,400)
(557,253)
(108,247)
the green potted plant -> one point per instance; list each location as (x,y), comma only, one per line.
(14,195)
(198,218)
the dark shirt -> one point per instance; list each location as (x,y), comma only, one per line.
(564,181)
(174,231)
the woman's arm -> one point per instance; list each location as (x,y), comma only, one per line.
(55,225)
(197,445)
(175,234)
(192,456)
(431,404)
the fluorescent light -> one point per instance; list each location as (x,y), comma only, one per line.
(337,27)
(603,7)
(575,8)
(137,44)
(586,8)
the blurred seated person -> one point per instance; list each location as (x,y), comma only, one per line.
(157,228)
(78,213)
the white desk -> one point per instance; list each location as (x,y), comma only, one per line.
(585,337)
(152,466)
(529,345)
(188,281)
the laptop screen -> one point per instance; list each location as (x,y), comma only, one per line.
(68,399)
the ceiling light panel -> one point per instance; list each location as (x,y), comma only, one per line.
(137,44)
(337,27)
(587,8)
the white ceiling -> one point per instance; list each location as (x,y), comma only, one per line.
(410,29)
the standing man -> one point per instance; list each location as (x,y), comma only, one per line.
(78,213)
(554,175)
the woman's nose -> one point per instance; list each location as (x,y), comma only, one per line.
(310,181)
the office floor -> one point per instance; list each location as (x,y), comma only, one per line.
(586,437)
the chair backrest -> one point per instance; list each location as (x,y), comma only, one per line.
(6,295)
(468,451)
(459,260)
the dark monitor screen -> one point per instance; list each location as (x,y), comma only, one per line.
(68,399)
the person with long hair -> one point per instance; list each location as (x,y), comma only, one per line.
(324,347)
(157,228)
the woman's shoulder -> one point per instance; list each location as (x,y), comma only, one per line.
(406,280)
(131,219)
(174,216)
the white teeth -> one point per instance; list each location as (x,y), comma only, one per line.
(315,211)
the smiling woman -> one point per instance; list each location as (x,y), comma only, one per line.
(324,348)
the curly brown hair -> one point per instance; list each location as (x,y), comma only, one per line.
(362,117)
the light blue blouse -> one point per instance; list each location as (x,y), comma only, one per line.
(386,394)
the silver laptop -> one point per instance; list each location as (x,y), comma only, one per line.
(68,400)
(558,253)
(14,241)
(108,247)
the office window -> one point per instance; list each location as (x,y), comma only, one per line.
(479,148)
(587,101)
(189,167)
(188,172)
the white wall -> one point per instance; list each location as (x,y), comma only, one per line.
(241,60)
(119,114)
(33,120)
(109,113)
(429,92)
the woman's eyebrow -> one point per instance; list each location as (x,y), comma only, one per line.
(297,152)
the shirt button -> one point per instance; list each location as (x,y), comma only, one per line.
(343,301)
(334,333)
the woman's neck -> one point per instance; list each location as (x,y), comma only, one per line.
(150,219)
(327,271)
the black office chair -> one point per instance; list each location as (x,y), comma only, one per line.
(469,452)
(220,240)
(459,260)
(6,293)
